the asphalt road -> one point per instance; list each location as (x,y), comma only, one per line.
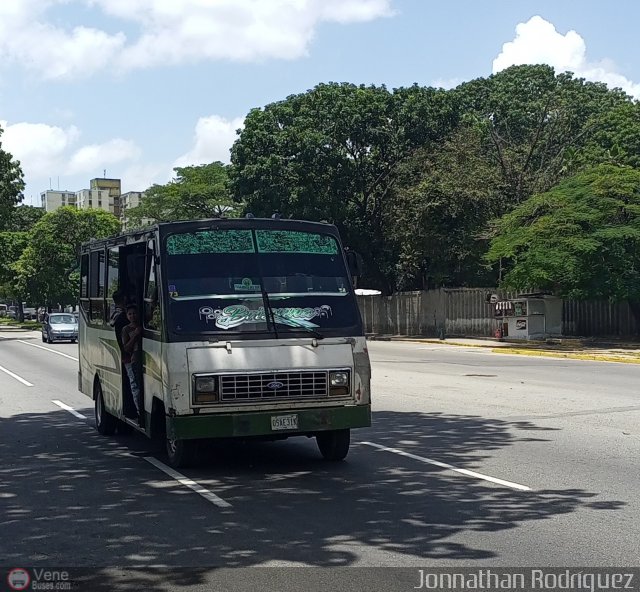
(474,459)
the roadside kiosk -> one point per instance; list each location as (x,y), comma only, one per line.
(530,316)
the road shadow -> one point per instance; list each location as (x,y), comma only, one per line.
(70,497)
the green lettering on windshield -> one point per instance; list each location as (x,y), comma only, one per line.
(288,241)
(210,241)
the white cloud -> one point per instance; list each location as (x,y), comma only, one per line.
(214,136)
(139,177)
(95,157)
(39,147)
(49,155)
(538,42)
(50,50)
(447,83)
(171,32)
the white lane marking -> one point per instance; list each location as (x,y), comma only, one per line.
(18,378)
(69,409)
(205,493)
(450,467)
(53,351)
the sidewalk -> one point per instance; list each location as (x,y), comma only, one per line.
(570,348)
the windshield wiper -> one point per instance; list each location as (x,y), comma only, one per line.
(269,316)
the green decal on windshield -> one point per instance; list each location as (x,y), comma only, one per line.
(238,314)
(288,241)
(210,241)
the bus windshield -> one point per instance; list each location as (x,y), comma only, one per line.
(256,281)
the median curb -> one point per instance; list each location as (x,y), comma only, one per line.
(589,357)
(570,349)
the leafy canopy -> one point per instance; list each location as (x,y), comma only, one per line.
(195,193)
(581,239)
(333,153)
(11,185)
(46,271)
(12,245)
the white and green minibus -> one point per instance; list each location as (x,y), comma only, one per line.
(251,329)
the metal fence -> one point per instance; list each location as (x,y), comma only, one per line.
(466,312)
(452,312)
(598,318)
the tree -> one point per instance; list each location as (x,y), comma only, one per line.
(580,240)
(11,184)
(520,132)
(12,245)
(443,200)
(23,218)
(196,192)
(333,154)
(539,127)
(47,270)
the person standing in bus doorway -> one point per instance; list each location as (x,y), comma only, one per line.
(118,319)
(132,357)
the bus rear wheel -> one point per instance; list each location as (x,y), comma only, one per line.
(181,453)
(334,444)
(105,422)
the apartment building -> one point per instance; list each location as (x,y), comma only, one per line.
(113,186)
(51,199)
(95,199)
(103,194)
(131,199)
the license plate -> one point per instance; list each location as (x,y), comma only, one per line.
(284,422)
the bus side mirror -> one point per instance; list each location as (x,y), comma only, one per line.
(354,262)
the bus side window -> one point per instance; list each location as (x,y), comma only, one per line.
(96,286)
(151,304)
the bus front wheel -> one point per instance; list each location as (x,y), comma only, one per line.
(334,444)
(105,422)
(181,453)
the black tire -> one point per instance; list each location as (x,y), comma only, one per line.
(124,429)
(44,339)
(334,444)
(73,340)
(106,423)
(181,453)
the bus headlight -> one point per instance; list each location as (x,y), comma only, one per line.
(339,383)
(205,389)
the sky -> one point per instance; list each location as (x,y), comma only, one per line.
(131,89)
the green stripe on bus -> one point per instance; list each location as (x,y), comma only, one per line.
(233,425)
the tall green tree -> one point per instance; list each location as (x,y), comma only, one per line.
(521,131)
(580,240)
(11,184)
(443,200)
(195,193)
(539,126)
(333,154)
(12,245)
(47,270)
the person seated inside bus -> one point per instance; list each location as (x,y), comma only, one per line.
(132,356)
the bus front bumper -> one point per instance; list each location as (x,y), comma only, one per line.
(264,423)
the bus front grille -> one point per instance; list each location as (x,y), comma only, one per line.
(274,386)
